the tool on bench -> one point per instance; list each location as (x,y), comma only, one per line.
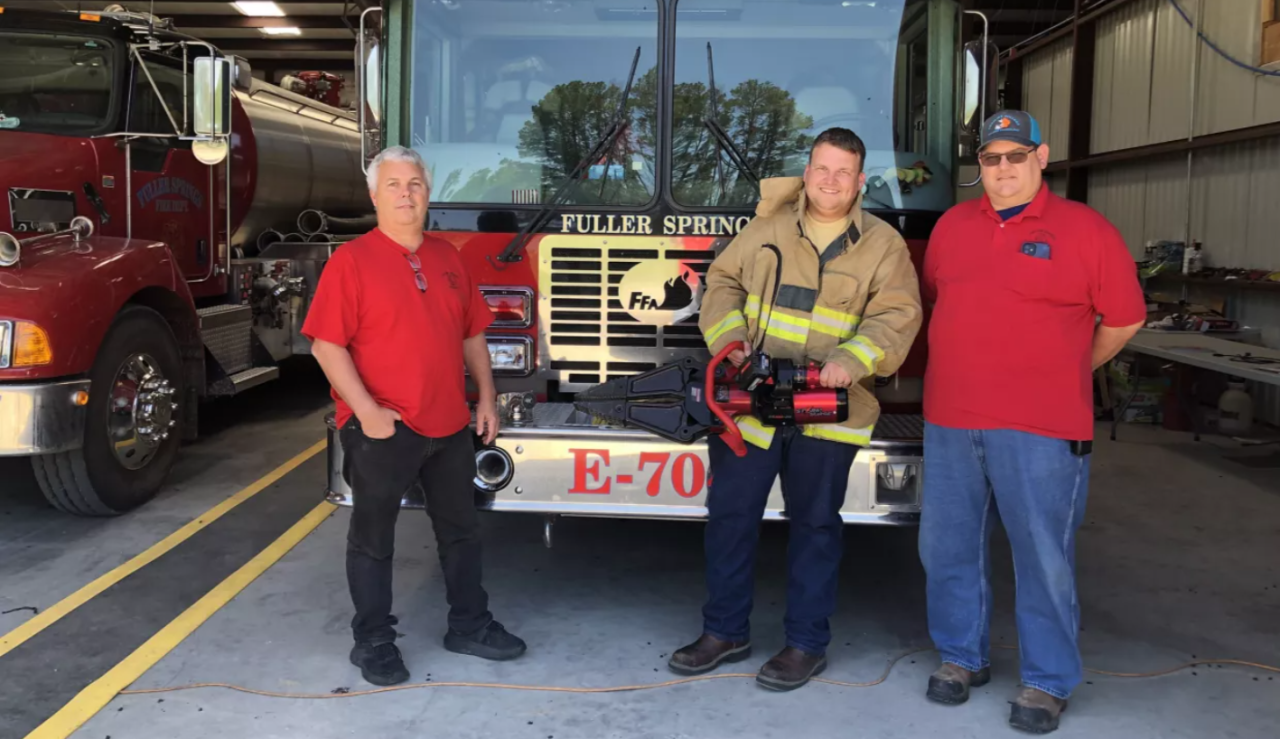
(686,400)
(1246,358)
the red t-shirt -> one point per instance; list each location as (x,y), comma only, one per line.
(1015,302)
(406,344)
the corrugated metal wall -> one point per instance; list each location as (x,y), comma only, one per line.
(1122,77)
(1047,84)
(1142,84)
(1143,95)
(1232,207)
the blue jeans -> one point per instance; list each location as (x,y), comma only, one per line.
(815,476)
(1038,489)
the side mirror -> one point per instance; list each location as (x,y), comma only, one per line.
(369,90)
(973,84)
(978,69)
(211,108)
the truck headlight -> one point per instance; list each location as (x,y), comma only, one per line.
(23,344)
(512,307)
(511,355)
(6,342)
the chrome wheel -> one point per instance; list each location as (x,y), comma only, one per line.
(141,411)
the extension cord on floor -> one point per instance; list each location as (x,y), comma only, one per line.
(341,693)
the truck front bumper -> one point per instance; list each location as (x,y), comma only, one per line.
(560,464)
(41,418)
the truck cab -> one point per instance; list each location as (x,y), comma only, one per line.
(142,167)
(594,248)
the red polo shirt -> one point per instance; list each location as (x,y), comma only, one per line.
(1011,333)
(406,344)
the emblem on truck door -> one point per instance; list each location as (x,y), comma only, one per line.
(660,293)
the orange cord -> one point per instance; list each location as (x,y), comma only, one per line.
(651,686)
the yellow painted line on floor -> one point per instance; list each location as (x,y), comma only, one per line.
(50,615)
(99,693)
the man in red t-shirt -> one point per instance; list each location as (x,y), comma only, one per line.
(1018,280)
(395,319)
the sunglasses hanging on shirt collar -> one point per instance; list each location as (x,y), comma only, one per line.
(418,277)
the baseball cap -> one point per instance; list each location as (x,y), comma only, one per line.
(1011,125)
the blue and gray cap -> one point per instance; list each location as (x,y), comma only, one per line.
(1011,125)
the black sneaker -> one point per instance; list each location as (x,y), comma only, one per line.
(380,664)
(491,642)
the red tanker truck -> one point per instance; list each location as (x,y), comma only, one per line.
(149,257)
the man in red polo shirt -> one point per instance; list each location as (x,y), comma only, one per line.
(395,319)
(1018,280)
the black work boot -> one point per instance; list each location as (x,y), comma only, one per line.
(950,684)
(1036,712)
(491,642)
(789,669)
(380,664)
(706,654)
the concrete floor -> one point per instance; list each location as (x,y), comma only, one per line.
(45,555)
(1180,556)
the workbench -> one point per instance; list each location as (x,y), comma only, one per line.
(1202,351)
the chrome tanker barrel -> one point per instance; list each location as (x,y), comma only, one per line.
(307,158)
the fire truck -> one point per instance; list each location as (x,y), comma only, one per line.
(591,158)
(152,246)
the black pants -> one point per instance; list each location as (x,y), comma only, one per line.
(380,471)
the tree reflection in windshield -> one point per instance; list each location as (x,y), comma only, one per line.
(759,117)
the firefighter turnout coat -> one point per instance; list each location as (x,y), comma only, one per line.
(854,302)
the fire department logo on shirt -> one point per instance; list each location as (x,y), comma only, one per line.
(660,293)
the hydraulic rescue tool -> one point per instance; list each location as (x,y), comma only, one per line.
(686,400)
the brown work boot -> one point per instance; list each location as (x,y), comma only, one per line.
(950,684)
(706,654)
(1036,711)
(790,669)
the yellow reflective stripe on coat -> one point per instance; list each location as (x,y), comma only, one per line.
(866,352)
(834,323)
(753,307)
(754,432)
(832,432)
(734,320)
(788,327)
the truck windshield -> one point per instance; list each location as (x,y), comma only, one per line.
(55,83)
(786,70)
(508,96)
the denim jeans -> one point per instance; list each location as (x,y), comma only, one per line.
(1038,488)
(380,471)
(815,476)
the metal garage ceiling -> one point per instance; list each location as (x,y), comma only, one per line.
(324,27)
(322,38)
(1013,21)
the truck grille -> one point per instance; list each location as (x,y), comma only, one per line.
(590,335)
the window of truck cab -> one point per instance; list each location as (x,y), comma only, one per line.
(786,70)
(57,83)
(507,96)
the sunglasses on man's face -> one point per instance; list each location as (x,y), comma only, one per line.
(418,277)
(1015,157)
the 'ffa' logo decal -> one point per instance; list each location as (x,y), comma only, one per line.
(660,293)
(453,279)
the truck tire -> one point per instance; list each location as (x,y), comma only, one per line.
(131,434)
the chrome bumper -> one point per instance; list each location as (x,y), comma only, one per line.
(41,419)
(562,465)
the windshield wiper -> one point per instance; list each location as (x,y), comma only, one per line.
(570,183)
(723,142)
